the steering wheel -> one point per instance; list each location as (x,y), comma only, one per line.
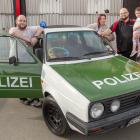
(56,52)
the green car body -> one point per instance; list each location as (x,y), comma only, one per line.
(102,79)
(85,85)
(22,79)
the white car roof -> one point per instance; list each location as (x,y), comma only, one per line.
(48,30)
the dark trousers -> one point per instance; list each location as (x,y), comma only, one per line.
(127,54)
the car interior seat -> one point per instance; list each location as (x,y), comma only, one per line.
(38,49)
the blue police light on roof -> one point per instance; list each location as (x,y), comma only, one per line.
(43,24)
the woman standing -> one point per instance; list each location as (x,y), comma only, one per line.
(101,26)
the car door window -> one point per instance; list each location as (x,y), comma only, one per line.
(21,78)
(18,49)
(4,49)
(23,54)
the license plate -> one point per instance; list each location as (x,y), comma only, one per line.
(133,121)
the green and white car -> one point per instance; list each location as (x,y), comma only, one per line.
(86,87)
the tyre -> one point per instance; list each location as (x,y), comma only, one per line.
(54,117)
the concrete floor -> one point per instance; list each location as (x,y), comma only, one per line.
(20,122)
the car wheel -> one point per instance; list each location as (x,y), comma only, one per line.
(54,117)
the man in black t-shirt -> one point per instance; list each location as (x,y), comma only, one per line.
(124,33)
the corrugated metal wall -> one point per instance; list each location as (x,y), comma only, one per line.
(6,14)
(79,12)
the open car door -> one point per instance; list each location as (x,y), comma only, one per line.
(20,70)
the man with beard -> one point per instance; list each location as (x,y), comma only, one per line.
(124,33)
(29,34)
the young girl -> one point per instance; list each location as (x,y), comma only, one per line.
(136,34)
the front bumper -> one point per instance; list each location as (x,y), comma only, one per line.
(116,121)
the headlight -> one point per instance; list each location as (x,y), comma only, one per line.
(115,106)
(97,110)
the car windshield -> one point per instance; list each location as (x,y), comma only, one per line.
(74,45)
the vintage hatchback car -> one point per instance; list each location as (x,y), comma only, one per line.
(85,85)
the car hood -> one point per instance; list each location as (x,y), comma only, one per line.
(102,79)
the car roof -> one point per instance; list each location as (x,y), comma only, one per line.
(61,28)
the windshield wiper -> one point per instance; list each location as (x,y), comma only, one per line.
(92,53)
(64,58)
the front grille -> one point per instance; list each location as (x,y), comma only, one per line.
(128,101)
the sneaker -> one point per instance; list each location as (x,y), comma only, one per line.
(34,102)
(39,104)
(22,99)
(27,102)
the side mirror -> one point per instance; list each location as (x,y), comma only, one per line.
(13,60)
(13,51)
